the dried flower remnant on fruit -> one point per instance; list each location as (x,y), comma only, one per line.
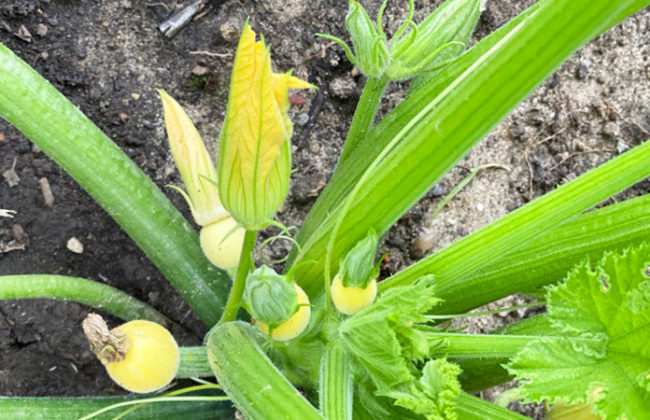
(140,356)
(254,160)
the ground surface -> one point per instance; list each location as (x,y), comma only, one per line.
(108,57)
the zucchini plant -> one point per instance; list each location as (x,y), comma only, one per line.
(323,339)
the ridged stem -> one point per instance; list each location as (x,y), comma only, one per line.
(364,115)
(247,375)
(87,292)
(194,363)
(238,286)
(336,394)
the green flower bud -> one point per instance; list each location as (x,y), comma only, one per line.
(270,298)
(358,267)
(441,37)
(371,54)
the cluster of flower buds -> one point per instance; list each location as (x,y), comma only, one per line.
(251,179)
(413,49)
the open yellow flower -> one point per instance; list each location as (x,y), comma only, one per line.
(254,161)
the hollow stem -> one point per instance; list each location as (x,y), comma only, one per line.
(194,363)
(237,290)
(87,292)
(336,385)
(364,116)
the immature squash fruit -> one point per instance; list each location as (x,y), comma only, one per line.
(355,285)
(287,313)
(350,300)
(140,356)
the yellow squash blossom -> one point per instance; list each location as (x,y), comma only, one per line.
(254,151)
(221,238)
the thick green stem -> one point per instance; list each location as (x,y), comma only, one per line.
(66,408)
(472,408)
(548,258)
(247,375)
(237,289)
(194,363)
(364,116)
(62,131)
(483,373)
(477,251)
(336,394)
(476,346)
(88,292)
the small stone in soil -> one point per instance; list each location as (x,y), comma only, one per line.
(41,30)
(75,245)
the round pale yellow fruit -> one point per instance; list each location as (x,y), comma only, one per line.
(350,300)
(151,361)
(222,242)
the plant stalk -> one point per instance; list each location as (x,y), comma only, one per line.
(87,292)
(336,394)
(364,115)
(194,363)
(473,408)
(238,286)
(247,375)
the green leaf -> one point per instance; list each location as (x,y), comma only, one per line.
(435,394)
(601,352)
(63,132)
(382,338)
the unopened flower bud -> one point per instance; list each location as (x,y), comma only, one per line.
(280,307)
(254,161)
(221,238)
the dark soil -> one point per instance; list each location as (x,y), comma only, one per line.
(108,57)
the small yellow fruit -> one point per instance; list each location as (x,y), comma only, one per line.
(295,325)
(224,253)
(350,300)
(151,361)
(140,356)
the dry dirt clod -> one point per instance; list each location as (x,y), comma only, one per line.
(231,29)
(48,197)
(75,245)
(200,70)
(343,87)
(41,30)
(24,34)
